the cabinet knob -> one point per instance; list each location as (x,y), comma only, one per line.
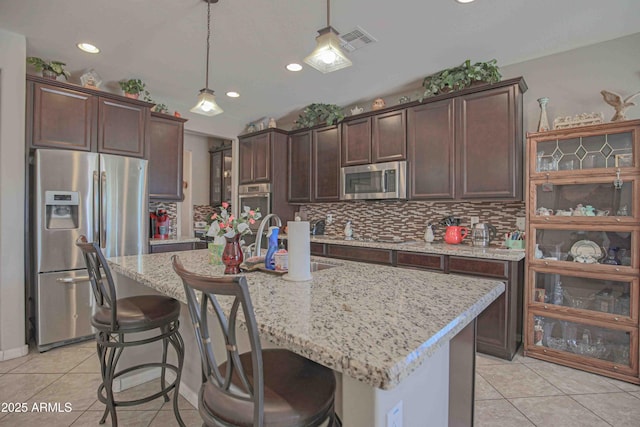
(617,269)
(617,219)
(546,306)
(615,368)
(616,318)
(544,351)
(546,263)
(546,218)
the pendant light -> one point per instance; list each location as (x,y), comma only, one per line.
(328,56)
(206,99)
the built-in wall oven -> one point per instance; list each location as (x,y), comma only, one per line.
(255,196)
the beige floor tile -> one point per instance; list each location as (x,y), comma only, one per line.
(554,411)
(59,360)
(635,393)
(573,381)
(137,392)
(191,418)
(21,387)
(486,360)
(90,365)
(622,385)
(183,404)
(80,390)
(498,413)
(517,380)
(37,419)
(125,419)
(618,409)
(484,390)
(9,365)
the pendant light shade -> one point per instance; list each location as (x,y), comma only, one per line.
(328,56)
(207,105)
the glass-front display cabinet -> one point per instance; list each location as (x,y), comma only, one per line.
(583,243)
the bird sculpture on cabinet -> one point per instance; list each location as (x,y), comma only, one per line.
(620,105)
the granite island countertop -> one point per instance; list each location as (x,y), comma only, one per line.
(153,242)
(463,249)
(374,323)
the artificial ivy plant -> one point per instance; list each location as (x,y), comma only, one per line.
(459,77)
(315,114)
(54,67)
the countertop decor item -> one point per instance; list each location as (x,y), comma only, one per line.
(459,77)
(91,79)
(543,123)
(272,123)
(378,104)
(49,69)
(328,55)
(428,234)
(207,105)
(299,252)
(620,105)
(232,255)
(227,225)
(348,231)
(315,114)
(356,110)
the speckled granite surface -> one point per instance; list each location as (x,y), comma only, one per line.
(176,240)
(374,323)
(432,248)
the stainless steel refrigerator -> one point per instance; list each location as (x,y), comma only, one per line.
(103,197)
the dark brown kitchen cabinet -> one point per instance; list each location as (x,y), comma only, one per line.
(67,116)
(326,164)
(255,158)
(431,150)
(299,167)
(489,143)
(165,157)
(468,146)
(422,261)
(121,128)
(374,139)
(173,247)
(220,163)
(389,136)
(355,253)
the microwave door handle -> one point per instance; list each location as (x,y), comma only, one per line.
(384,181)
(96,207)
(103,210)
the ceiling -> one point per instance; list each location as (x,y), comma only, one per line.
(163,43)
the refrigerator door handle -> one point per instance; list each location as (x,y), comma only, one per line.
(96,207)
(68,280)
(103,210)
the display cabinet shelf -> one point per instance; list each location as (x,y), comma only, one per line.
(583,264)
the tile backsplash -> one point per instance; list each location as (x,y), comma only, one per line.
(408,219)
(202,212)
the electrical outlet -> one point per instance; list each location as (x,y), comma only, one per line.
(394,416)
(520,223)
(474,220)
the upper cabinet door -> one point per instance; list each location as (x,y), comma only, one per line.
(326,164)
(489,131)
(165,158)
(245,153)
(389,138)
(356,142)
(299,176)
(431,137)
(255,159)
(122,128)
(62,118)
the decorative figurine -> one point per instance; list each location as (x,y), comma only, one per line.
(272,123)
(378,104)
(348,231)
(356,110)
(620,105)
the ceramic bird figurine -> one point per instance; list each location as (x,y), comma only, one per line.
(618,103)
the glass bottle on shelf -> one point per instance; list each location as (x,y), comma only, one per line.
(557,293)
(612,257)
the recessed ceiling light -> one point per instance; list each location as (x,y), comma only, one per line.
(294,67)
(88,47)
(233,94)
(464,1)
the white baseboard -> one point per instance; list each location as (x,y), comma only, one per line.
(146,375)
(14,353)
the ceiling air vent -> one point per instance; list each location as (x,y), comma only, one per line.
(355,39)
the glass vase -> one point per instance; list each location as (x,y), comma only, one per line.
(232,255)
(543,124)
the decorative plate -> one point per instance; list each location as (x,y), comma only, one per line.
(585,249)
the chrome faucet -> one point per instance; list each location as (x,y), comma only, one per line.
(265,222)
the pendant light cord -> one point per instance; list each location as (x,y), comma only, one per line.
(206,85)
(328,12)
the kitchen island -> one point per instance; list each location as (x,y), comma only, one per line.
(386,332)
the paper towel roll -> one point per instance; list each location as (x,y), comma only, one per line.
(299,251)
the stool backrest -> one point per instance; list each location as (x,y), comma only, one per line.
(235,287)
(103,287)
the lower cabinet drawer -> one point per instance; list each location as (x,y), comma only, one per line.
(378,256)
(479,267)
(426,261)
(170,247)
(317,248)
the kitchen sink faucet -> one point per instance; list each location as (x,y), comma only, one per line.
(264,223)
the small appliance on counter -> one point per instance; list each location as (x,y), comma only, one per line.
(163,223)
(482,234)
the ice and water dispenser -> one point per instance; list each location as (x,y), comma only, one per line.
(61,209)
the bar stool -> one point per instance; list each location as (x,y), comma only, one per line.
(259,388)
(117,319)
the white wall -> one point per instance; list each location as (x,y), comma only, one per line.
(199,147)
(573,80)
(12,183)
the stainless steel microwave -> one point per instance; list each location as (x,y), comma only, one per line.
(374,181)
